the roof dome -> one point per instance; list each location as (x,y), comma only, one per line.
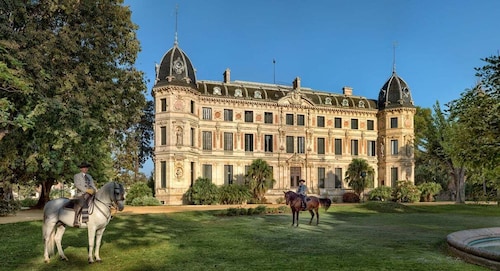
(395,93)
(175,68)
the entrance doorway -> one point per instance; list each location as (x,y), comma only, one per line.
(295,176)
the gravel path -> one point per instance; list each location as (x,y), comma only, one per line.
(35,214)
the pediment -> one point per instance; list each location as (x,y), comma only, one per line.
(295,98)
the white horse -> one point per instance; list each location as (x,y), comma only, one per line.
(56,217)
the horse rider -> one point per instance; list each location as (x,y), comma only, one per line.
(302,191)
(85,188)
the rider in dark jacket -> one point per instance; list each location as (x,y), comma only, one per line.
(302,191)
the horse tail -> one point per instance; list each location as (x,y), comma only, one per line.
(326,203)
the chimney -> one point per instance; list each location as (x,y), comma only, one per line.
(347,91)
(296,83)
(227,75)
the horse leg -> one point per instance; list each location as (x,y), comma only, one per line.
(312,216)
(91,234)
(48,237)
(297,224)
(98,239)
(317,215)
(58,239)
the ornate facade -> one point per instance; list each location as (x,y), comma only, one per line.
(215,129)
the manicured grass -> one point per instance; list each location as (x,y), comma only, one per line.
(371,236)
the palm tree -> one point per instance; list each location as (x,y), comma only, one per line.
(259,178)
(359,175)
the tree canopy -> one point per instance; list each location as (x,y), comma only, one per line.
(79,86)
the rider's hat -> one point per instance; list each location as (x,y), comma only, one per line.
(84,164)
(302,181)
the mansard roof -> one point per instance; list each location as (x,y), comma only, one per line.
(282,94)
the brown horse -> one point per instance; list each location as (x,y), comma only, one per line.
(312,205)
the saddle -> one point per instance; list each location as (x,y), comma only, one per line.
(84,213)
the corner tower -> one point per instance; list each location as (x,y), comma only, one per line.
(175,93)
(396,132)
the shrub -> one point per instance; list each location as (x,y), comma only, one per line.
(9,207)
(234,194)
(405,191)
(28,202)
(350,197)
(203,192)
(280,200)
(145,201)
(429,190)
(381,193)
(138,190)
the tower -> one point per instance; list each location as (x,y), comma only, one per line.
(396,132)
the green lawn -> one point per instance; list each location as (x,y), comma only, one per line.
(371,236)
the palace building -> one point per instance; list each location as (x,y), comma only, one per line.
(216,129)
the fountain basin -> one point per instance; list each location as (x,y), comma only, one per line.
(478,246)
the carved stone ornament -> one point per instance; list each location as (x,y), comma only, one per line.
(178,66)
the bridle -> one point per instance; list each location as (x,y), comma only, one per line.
(117,191)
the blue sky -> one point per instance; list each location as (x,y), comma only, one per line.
(327,43)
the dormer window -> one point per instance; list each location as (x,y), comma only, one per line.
(238,93)
(345,102)
(328,100)
(258,94)
(217,91)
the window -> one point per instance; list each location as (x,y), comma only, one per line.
(338,146)
(371,148)
(163,135)
(228,174)
(207,141)
(394,175)
(207,171)
(248,116)
(394,147)
(192,137)
(301,120)
(321,177)
(354,124)
(338,122)
(268,117)
(228,114)
(163,174)
(320,121)
(354,147)
(268,143)
(192,107)
(301,144)
(249,142)
(207,113)
(289,144)
(370,125)
(338,177)
(321,145)
(163,105)
(289,119)
(394,122)
(228,141)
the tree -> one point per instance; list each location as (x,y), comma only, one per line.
(259,179)
(86,94)
(359,175)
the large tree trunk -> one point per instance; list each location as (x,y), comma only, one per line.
(44,193)
(459,177)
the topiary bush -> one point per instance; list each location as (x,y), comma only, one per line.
(234,194)
(138,190)
(381,193)
(203,192)
(350,197)
(405,191)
